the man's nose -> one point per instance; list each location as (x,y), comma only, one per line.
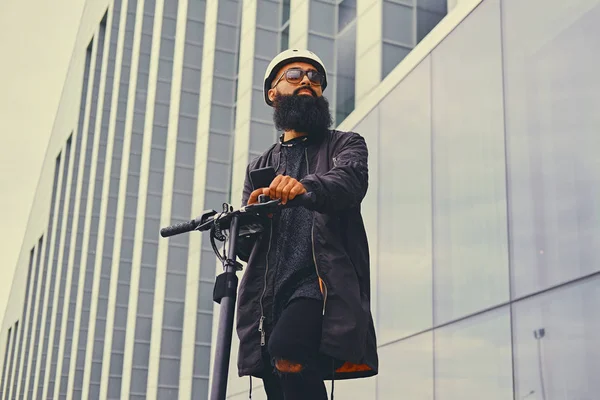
(305,80)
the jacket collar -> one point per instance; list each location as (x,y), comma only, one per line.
(276,152)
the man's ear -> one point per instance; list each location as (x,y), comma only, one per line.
(271,93)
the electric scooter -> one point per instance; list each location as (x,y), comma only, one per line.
(229,225)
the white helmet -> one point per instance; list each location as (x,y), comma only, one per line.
(287,57)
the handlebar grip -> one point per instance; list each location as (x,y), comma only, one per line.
(182,227)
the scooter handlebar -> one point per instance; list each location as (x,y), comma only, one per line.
(182,227)
(303,200)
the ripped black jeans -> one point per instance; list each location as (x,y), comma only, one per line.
(293,366)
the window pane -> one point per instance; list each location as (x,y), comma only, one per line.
(346,13)
(226,37)
(426,21)
(219,146)
(171,343)
(223,90)
(202,353)
(322,17)
(267,13)
(285,39)
(221,118)
(192,55)
(169,372)
(204,327)
(473,358)
(406,367)
(439,6)
(225,63)
(346,71)
(556,343)
(259,109)
(261,136)
(392,55)
(552,86)
(398,23)
(217,175)
(200,389)
(266,43)
(324,47)
(228,10)
(469,209)
(405,200)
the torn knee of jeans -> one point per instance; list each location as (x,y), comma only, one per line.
(288,367)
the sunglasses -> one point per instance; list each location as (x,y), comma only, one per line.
(295,76)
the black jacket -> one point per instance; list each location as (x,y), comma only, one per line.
(338,179)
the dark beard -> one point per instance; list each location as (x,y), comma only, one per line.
(302,113)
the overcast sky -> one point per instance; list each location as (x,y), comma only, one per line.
(36,43)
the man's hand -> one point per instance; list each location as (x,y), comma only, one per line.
(283,187)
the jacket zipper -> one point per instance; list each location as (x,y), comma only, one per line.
(312,239)
(262,311)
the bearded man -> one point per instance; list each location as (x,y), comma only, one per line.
(304,309)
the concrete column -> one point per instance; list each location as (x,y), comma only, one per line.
(167,196)
(188,345)
(122,194)
(141,206)
(104,202)
(244,100)
(299,12)
(369,14)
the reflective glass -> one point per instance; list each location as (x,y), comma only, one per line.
(473,358)
(261,136)
(267,13)
(285,39)
(266,44)
(406,369)
(398,22)
(346,71)
(223,90)
(324,47)
(200,388)
(169,372)
(552,85)
(228,11)
(260,109)
(556,352)
(195,31)
(469,193)
(439,6)
(392,55)
(227,37)
(405,259)
(426,21)
(346,13)
(197,9)
(322,17)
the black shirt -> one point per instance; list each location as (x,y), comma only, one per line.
(291,245)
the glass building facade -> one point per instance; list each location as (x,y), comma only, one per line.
(483,209)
